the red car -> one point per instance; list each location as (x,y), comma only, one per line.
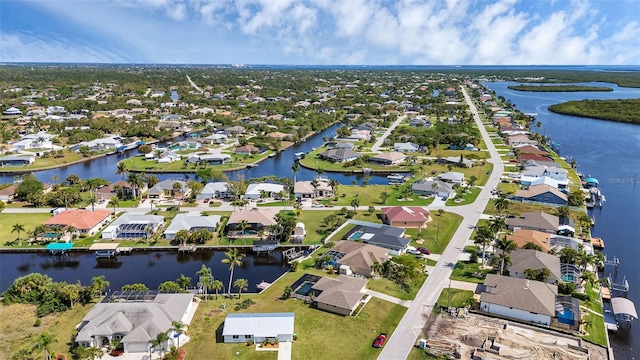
(380,340)
(424,250)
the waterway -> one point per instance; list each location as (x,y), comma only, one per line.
(608,151)
(279,165)
(147,267)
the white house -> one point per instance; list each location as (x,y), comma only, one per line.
(452,177)
(258,327)
(12,111)
(219,189)
(255,190)
(40,140)
(130,226)
(557,173)
(406,147)
(110,142)
(191,222)
(522,299)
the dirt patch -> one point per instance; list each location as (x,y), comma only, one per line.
(213,313)
(515,342)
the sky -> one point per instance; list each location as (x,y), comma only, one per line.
(322,32)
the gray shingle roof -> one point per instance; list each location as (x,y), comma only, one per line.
(521,294)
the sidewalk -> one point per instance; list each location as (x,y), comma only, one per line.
(389,298)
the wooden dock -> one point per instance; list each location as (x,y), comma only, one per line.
(597,243)
(187,248)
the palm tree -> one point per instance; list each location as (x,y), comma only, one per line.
(206,278)
(507,246)
(233,258)
(115,201)
(92,200)
(122,170)
(18,228)
(355,203)
(243,225)
(483,237)
(162,338)
(44,341)
(295,168)
(217,285)
(93,352)
(241,285)
(179,328)
(136,182)
(497,224)
(183,281)
(98,284)
(501,203)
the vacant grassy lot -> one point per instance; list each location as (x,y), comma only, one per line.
(467,196)
(317,338)
(138,163)
(388,287)
(370,195)
(438,232)
(464,271)
(29,221)
(459,298)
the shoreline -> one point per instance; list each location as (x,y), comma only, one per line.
(147,248)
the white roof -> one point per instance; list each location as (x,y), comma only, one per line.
(623,306)
(213,187)
(192,220)
(126,219)
(260,325)
(268,187)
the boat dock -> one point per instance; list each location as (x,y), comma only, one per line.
(186,249)
(59,251)
(105,250)
(597,243)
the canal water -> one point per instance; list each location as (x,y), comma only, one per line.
(279,165)
(147,267)
(610,152)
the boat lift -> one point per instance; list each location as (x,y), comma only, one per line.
(105,250)
(622,287)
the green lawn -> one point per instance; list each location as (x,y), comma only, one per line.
(315,341)
(316,229)
(448,224)
(467,196)
(138,163)
(47,162)
(29,221)
(464,271)
(311,161)
(419,354)
(370,195)
(388,287)
(596,331)
(459,298)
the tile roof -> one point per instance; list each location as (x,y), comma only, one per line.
(261,216)
(406,213)
(80,219)
(521,237)
(523,259)
(343,292)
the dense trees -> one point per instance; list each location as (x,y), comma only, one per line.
(622,110)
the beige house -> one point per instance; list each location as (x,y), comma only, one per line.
(341,295)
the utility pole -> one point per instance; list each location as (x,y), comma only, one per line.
(449,297)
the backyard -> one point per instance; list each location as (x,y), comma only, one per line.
(29,221)
(459,298)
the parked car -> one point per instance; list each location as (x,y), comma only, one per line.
(206,201)
(316,205)
(413,251)
(380,340)
(424,250)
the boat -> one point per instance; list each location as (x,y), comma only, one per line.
(299,155)
(396,178)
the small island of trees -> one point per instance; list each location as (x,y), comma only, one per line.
(621,110)
(558,88)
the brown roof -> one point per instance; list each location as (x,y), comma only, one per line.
(9,190)
(530,149)
(80,219)
(343,292)
(391,156)
(246,149)
(540,189)
(521,294)
(262,216)
(523,259)
(111,187)
(277,135)
(360,255)
(535,220)
(406,213)
(522,237)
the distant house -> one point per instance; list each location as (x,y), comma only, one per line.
(340,295)
(220,190)
(406,147)
(129,226)
(258,327)
(521,139)
(528,181)
(390,158)
(452,177)
(258,219)
(136,323)
(406,216)
(522,237)
(209,158)
(12,111)
(543,194)
(121,188)
(111,142)
(278,135)
(6,193)
(256,190)
(525,300)
(246,150)
(539,221)
(357,258)
(427,187)
(165,189)
(386,236)
(17,160)
(306,190)
(339,155)
(456,161)
(191,222)
(522,158)
(215,139)
(81,221)
(530,149)
(416,121)
(39,140)
(234,131)
(523,259)
(554,172)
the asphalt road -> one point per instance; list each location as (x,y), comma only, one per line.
(406,334)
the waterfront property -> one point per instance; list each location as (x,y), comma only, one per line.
(80,221)
(191,222)
(406,216)
(312,189)
(135,319)
(390,158)
(430,187)
(539,221)
(525,300)
(339,155)
(258,219)
(259,327)
(169,189)
(214,158)
(131,226)
(259,190)
(350,257)
(522,237)
(542,194)
(17,160)
(523,259)
(388,237)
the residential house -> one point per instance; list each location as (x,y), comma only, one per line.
(530,149)
(278,135)
(7,192)
(121,188)
(129,226)
(17,160)
(386,236)
(12,111)
(219,190)
(406,216)
(456,161)
(340,145)
(429,187)
(521,139)
(307,190)
(524,300)
(260,190)
(246,150)
(339,155)
(528,181)
(416,121)
(340,295)
(555,172)
(452,177)
(406,147)
(356,258)
(258,327)
(40,140)
(215,139)
(522,237)
(539,221)
(234,130)
(390,158)
(522,158)
(523,259)
(110,142)
(167,189)
(191,222)
(81,221)
(258,219)
(542,193)
(213,158)
(136,323)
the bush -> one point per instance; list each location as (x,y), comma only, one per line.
(473,259)
(329,244)
(244,304)
(580,296)
(37,323)
(566,288)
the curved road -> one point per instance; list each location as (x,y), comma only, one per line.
(405,336)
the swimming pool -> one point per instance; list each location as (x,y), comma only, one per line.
(304,289)
(568,277)
(356,235)
(566,316)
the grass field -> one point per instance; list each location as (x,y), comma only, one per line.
(386,286)
(47,162)
(464,271)
(448,224)
(459,298)
(29,221)
(468,196)
(316,340)
(370,195)
(138,163)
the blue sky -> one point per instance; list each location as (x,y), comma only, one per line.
(366,32)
